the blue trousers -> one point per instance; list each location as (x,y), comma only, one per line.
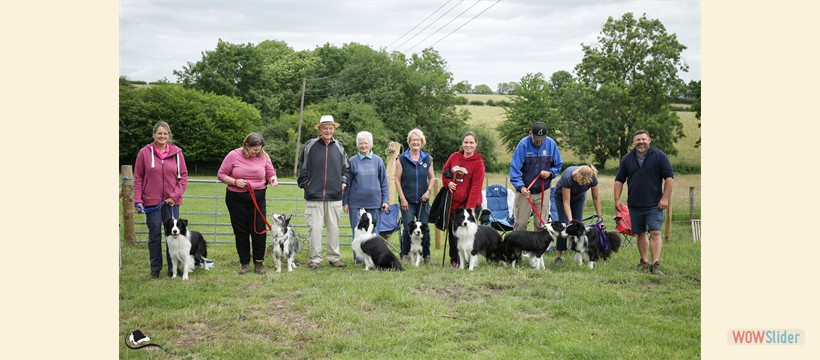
(577,208)
(354,220)
(414,211)
(154,221)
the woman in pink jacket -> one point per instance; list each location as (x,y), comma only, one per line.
(242,169)
(160,179)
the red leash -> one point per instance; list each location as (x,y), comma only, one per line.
(538,213)
(256,206)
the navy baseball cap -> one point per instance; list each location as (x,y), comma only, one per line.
(539,131)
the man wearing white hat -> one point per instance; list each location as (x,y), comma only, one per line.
(323,174)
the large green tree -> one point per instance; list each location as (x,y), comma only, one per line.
(694,93)
(231,69)
(625,83)
(532,103)
(205,126)
(405,92)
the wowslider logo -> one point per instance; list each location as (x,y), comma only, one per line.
(766,337)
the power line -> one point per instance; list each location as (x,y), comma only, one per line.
(425,28)
(445,25)
(468,21)
(417,25)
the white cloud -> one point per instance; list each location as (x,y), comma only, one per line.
(503,44)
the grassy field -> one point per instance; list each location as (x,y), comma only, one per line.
(494,312)
(567,311)
(489,117)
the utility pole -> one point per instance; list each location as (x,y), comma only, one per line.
(299,132)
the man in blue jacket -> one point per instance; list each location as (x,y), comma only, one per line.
(536,158)
(649,178)
(323,174)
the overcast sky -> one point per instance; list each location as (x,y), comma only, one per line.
(485,42)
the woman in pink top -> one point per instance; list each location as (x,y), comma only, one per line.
(160,179)
(245,168)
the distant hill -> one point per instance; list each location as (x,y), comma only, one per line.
(490,116)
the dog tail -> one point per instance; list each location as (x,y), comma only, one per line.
(614,240)
(397,264)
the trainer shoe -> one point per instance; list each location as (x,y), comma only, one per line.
(405,258)
(359,262)
(453,264)
(244,269)
(258,267)
(643,265)
(154,274)
(558,261)
(337,264)
(313,266)
(656,268)
(428,260)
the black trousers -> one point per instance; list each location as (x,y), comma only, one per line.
(452,241)
(247,222)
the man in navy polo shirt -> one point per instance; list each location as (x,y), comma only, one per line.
(649,177)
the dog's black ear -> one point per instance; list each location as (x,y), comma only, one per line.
(184,221)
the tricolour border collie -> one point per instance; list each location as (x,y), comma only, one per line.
(416,230)
(374,252)
(472,239)
(590,242)
(285,244)
(534,242)
(187,248)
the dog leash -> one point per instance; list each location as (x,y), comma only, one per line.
(543,224)
(601,234)
(147,210)
(256,209)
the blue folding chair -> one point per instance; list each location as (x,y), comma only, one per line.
(389,224)
(497,208)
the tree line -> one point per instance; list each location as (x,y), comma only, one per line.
(623,83)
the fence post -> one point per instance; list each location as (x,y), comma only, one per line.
(127,195)
(691,203)
(391,154)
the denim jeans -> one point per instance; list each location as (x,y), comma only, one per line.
(415,211)
(154,221)
(577,208)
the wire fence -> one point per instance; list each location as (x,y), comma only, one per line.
(209,215)
(204,208)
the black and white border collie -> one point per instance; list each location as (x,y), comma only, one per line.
(534,242)
(416,230)
(186,247)
(372,249)
(285,244)
(590,242)
(472,239)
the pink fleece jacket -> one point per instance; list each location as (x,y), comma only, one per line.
(157,178)
(256,170)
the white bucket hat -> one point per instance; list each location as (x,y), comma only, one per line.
(326,119)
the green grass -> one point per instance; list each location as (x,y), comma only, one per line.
(565,312)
